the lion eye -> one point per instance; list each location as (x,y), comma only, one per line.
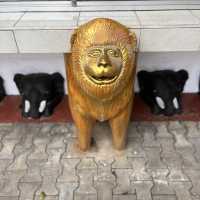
(94,53)
(114,53)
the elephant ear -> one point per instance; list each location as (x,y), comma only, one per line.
(58,82)
(181,76)
(144,79)
(2,89)
(19,79)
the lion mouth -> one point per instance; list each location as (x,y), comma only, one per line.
(103,79)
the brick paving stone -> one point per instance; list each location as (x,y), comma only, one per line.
(69,170)
(48,197)
(132,131)
(87,163)
(137,148)
(182,190)
(86,188)
(104,190)
(188,157)
(148,130)
(66,190)
(7,149)
(18,131)
(142,189)
(154,158)
(9,183)
(49,178)
(192,129)
(161,186)
(175,169)
(123,181)
(39,149)
(167,147)
(161,162)
(19,162)
(9,198)
(139,172)
(27,190)
(179,132)
(32,175)
(125,197)
(194,176)
(162,131)
(196,143)
(164,197)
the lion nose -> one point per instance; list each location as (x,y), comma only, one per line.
(104,61)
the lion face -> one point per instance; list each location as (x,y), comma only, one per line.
(102,58)
(103,64)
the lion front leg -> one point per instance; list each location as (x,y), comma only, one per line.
(119,125)
(84,127)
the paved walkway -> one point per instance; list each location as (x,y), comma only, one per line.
(161,162)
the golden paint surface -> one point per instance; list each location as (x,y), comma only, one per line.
(100,73)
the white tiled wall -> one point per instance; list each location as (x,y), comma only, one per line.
(43,41)
(167,40)
(49,20)
(50,32)
(7,42)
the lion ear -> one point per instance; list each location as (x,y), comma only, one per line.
(73,37)
(133,38)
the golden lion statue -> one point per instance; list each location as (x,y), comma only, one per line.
(100,72)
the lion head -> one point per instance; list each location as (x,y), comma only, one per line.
(102,57)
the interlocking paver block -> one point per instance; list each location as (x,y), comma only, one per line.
(66,190)
(105,181)
(189,160)
(124,197)
(148,130)
(161,186)
(9,183)
(164,197)
(132,131)
(194,176)
(32,175)
(39,149)
(139,171)
(196,143)
(192,129)
(179,132)
(27,190)
(167,147)
(142,189)
(154,158)
(162,131)
(69,170)
(182,190)
(86,188)
(175,169)
(137,148)
(20,162)
(87,163)
(123,185)
(7,149)
(49,178)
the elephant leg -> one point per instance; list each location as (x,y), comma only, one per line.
(84,127)
(119,125)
